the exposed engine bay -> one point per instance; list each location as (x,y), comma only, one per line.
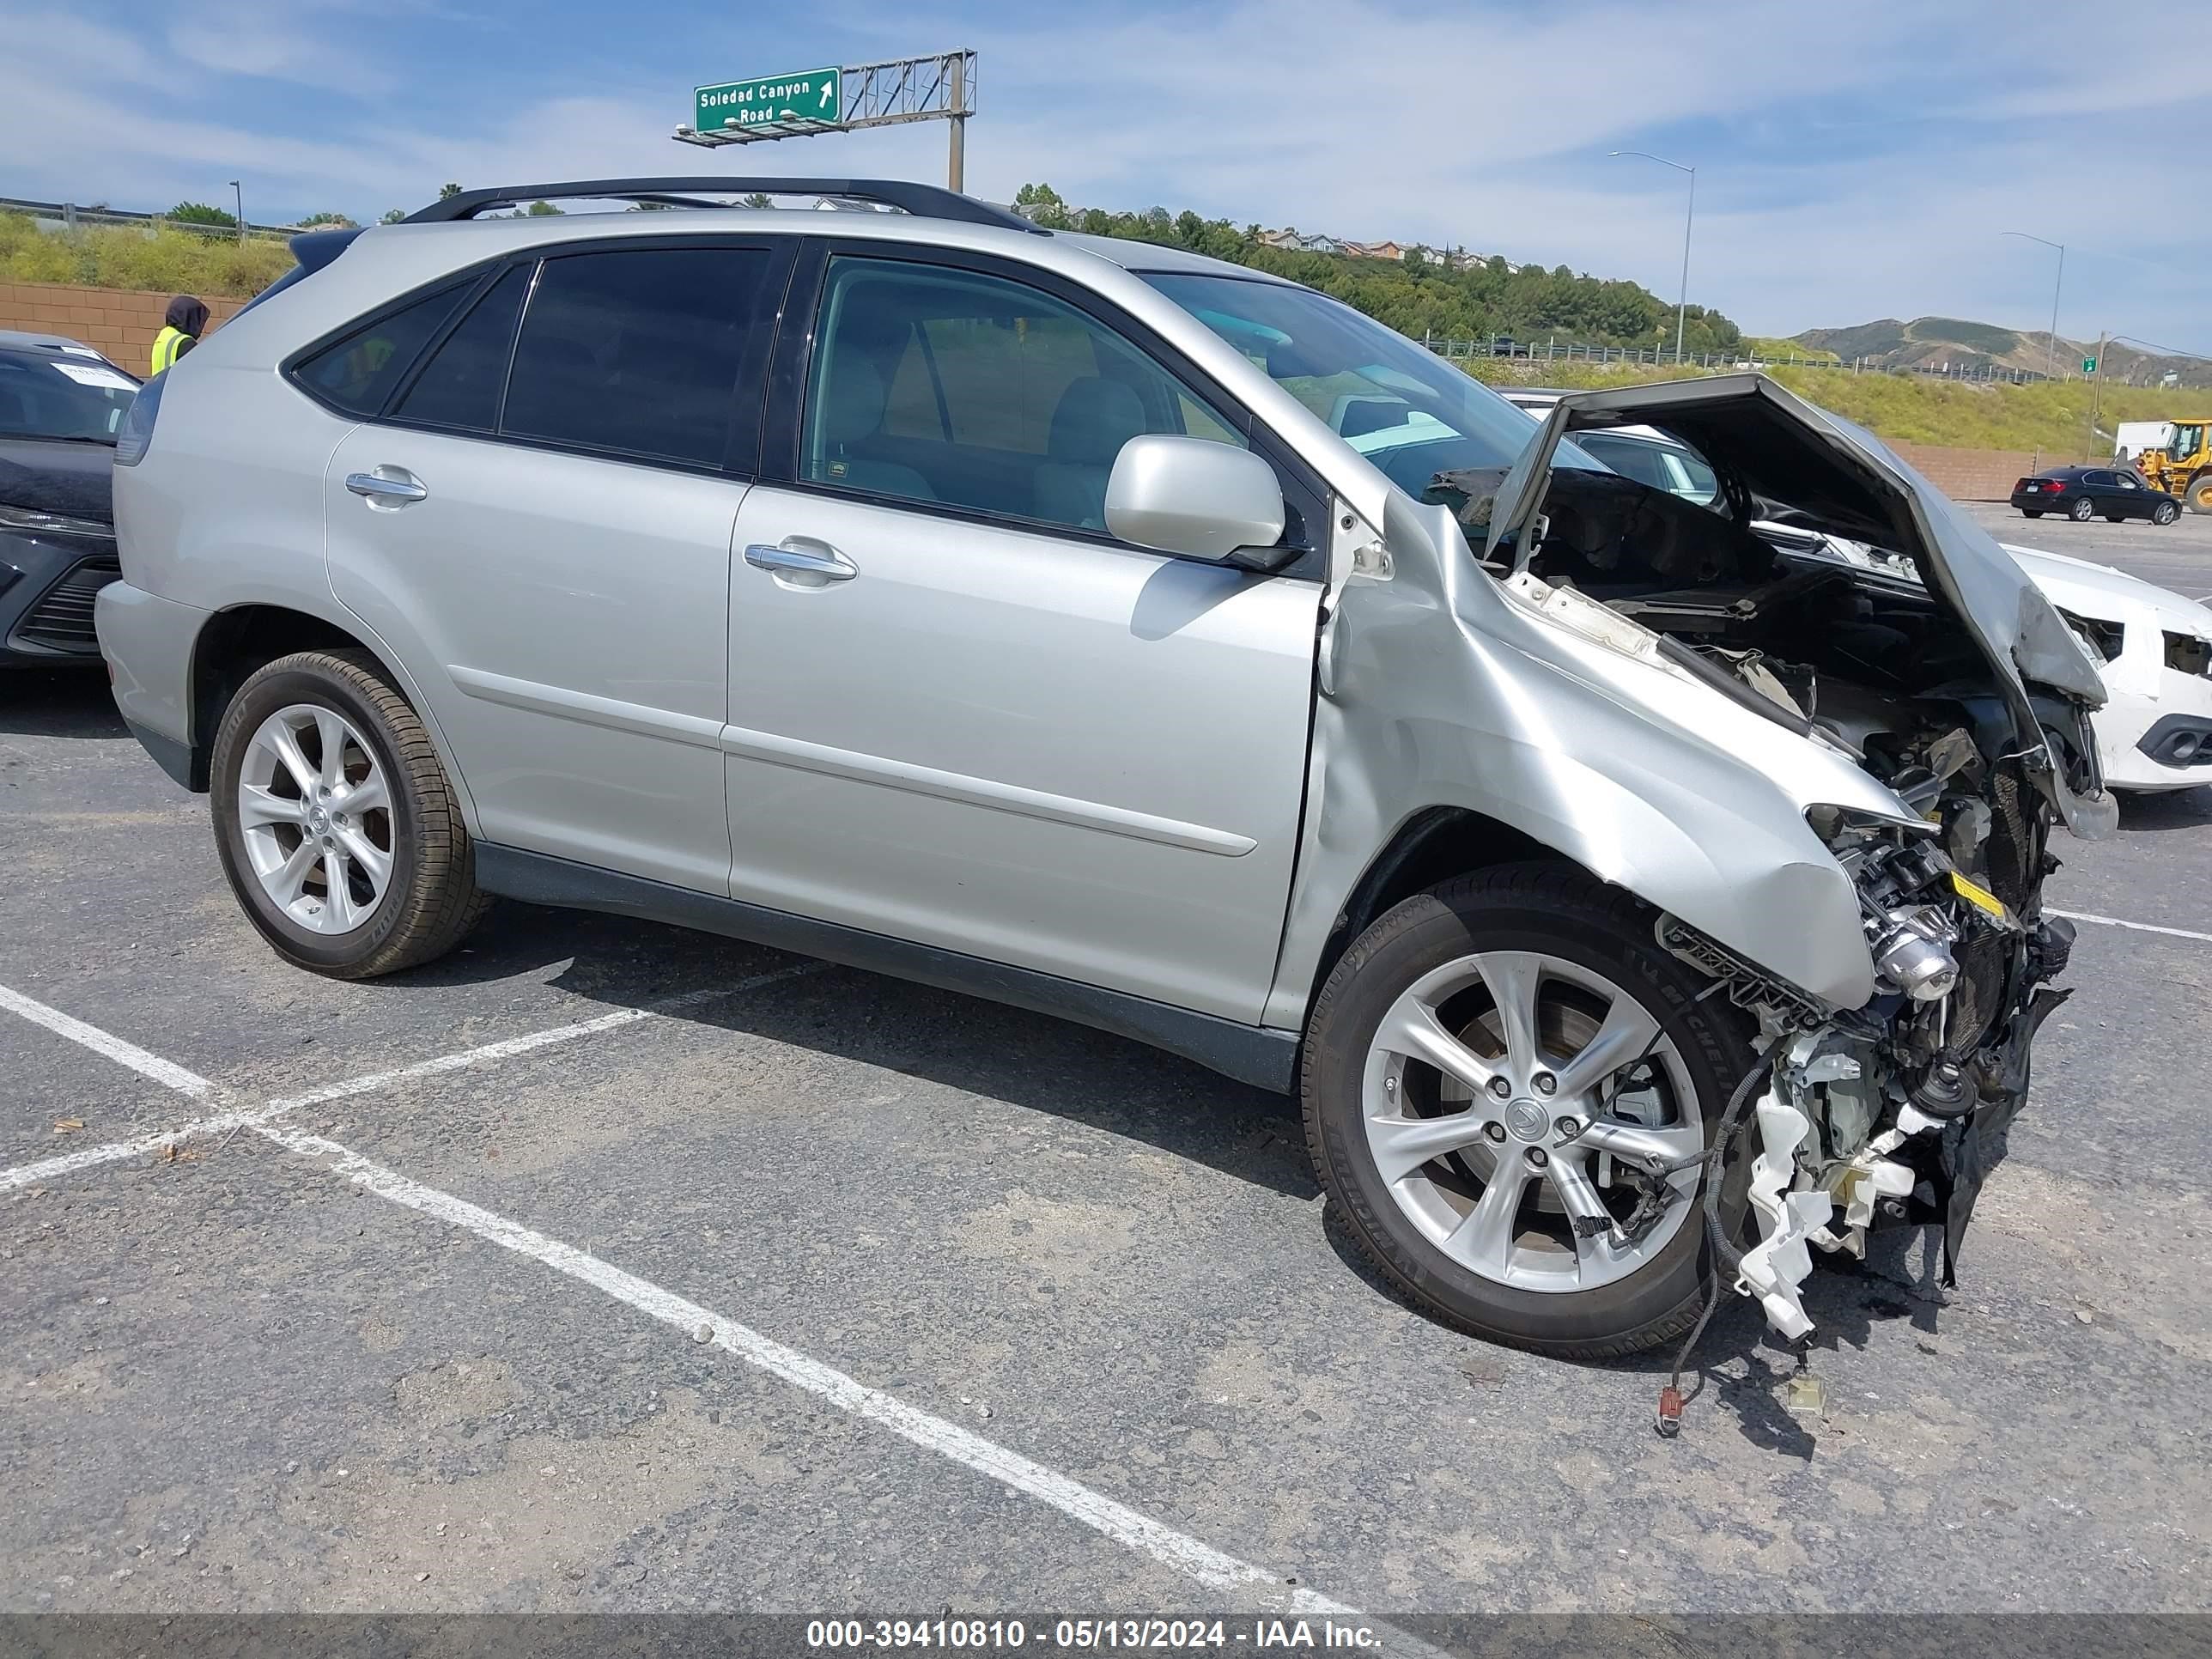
(1894,1112)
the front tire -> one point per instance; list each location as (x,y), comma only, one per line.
(337,825)
(2165,512)
(1443,1055)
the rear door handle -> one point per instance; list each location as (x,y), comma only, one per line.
(388,486)
(820,562)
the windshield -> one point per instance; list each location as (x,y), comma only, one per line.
(1400,405)
(48,394)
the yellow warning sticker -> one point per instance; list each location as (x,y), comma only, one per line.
(1980,898)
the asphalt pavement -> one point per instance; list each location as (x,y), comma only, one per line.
(606,1266)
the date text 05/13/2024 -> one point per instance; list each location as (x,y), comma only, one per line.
(1088,1635)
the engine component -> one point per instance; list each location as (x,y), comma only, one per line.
(1913,955)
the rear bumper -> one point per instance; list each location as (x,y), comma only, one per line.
(46,589)
(148,641)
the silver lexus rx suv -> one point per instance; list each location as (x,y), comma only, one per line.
(1634,903)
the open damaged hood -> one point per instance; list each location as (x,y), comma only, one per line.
(1841,481)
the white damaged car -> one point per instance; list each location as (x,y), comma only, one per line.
(2155,730)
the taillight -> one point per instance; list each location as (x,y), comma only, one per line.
(2056,486)
(2024,487)
(136,432)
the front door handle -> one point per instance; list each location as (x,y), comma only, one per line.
(388,486)
(811,565)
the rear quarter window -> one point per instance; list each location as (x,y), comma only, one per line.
(358,373)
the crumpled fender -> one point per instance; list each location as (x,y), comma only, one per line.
(1631,766)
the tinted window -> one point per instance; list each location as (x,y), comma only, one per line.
(635,349)
(45,394)
(460,385)
(947,386)
(2097,478)
(359,372)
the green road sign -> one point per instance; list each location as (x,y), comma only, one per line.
(2088,365)
(808,95)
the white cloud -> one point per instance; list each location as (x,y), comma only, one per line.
(1853,163)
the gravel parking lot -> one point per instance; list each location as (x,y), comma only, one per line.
(608,1267)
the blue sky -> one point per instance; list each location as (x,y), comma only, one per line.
(1854,160)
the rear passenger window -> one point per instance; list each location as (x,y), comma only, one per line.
(459,387)
(635,351)
(358,372)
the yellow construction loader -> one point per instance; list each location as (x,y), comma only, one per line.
(2183,467)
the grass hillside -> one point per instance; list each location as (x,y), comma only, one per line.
(178,261)
(2050,418)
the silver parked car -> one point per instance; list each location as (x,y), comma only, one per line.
(1120,634)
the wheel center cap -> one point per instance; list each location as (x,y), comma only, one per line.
(1527,1120)
(319,820)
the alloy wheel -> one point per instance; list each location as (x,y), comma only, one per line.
(1507,1094)
(315,815)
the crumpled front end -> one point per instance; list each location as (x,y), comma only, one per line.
(1835,783)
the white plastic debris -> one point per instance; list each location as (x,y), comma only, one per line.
(1773,1268)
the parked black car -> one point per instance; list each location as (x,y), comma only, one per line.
(2083,493)
(61,404)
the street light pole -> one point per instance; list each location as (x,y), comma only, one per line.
(2051,358)
(241,196)
(1689,219)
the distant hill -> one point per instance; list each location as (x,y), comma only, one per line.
(1936,342)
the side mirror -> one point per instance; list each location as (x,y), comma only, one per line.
(1201,499)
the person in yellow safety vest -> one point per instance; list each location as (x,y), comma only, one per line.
(181,328)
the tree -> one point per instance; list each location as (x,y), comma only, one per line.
(444,190)
(1043,205)
(199,213)
(757,199)
(541,210)
(326,222)
(393,215)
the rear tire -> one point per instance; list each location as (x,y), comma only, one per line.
(2199,494)
(396,887)
(1579,933)
(2030,513)
(2082,511)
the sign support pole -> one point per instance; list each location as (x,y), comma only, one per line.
(956,165)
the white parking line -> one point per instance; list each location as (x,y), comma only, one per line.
(106,1042)
(187,1083)
(1163,1544)
(1214,1569)
(2133,926)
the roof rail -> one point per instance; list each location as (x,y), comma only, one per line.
(924,201)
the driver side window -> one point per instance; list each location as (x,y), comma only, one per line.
(934,383)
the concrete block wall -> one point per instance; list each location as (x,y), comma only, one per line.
(119,323)
(1975,474)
